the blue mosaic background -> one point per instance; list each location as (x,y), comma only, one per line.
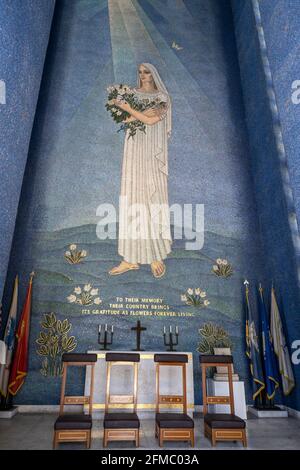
(74,165)
(24,33)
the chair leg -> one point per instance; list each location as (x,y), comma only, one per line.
(244,439)
(88,441)
(213,439)
(156,431)
(104,439)
(55,440)
(137,440)
(161,441)
(193,439)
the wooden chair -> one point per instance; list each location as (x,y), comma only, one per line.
(221,426)
(172,426)
(75,427)
(121,426)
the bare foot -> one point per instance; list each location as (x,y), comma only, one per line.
(123,267)
(158,269)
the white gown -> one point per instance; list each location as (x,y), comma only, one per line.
(144,230)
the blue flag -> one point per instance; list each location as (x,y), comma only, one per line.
(9,340)
(252,350)
(271,379)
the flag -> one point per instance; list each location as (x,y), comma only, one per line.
(252,350)
(9,339)
(20,361)
(268,352)
(2,345)
(280,348)
(2,352)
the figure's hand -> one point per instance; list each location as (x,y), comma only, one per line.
(151,112)
(129,119)
(122,105)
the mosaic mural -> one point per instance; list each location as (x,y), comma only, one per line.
(196,146)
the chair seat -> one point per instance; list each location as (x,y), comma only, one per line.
(73,421)
(213,358)
(121,421)
(174,420)
(224,421)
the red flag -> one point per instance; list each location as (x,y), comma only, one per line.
(19,366)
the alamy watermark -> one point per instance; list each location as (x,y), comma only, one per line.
(296,353)
(2,92)
(151,222)
(296,92)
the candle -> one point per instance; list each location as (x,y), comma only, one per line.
(176,330)
(105,326)
(112,328)
(164,330)
(170,329)
(99,329)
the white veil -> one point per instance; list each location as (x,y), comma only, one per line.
(161,87)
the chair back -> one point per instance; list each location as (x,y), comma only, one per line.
(176,360)
(77,359)
(117,359)
(207,361)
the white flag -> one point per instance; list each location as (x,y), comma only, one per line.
(280,348)
(2,352)
(9,340)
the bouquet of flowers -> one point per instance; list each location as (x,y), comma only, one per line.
(195,297)
(125,93)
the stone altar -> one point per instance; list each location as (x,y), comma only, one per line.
(122,382)
(215,387)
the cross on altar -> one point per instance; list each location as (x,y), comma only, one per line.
(138,328)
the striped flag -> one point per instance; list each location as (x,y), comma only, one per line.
(280,348)
(9,339)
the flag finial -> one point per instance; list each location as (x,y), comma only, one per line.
(246,284)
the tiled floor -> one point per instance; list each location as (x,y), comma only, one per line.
(35,431)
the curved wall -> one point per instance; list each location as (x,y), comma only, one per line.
(24,34)
(267,36)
